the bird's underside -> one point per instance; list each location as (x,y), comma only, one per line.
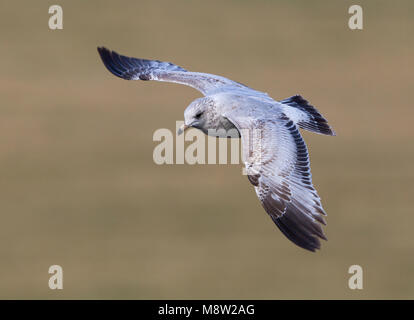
(276,159)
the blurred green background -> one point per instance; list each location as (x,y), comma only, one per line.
(79,188)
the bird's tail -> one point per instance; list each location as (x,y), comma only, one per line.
(305,115)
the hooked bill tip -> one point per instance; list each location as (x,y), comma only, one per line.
(182,129)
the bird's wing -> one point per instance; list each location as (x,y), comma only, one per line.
(277,164)
(142,69)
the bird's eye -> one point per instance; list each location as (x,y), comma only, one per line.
(198,115)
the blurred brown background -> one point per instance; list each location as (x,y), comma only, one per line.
(79,188)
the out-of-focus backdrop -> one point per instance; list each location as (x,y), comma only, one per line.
(79,188)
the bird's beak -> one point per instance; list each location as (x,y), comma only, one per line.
(182,129)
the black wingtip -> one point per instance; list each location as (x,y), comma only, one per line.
(102,52)
(299,229)
(310,243)
(112,62)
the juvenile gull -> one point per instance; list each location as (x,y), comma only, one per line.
(276,159)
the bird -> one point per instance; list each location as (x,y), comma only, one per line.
(274,153)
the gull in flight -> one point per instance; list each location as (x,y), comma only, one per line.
(276,159)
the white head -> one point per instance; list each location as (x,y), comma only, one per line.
(199,115)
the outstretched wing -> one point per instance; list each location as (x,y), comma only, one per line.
(277,164)
(142,69)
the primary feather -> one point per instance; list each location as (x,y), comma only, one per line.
(274,152)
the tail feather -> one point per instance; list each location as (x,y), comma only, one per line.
(306,116)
